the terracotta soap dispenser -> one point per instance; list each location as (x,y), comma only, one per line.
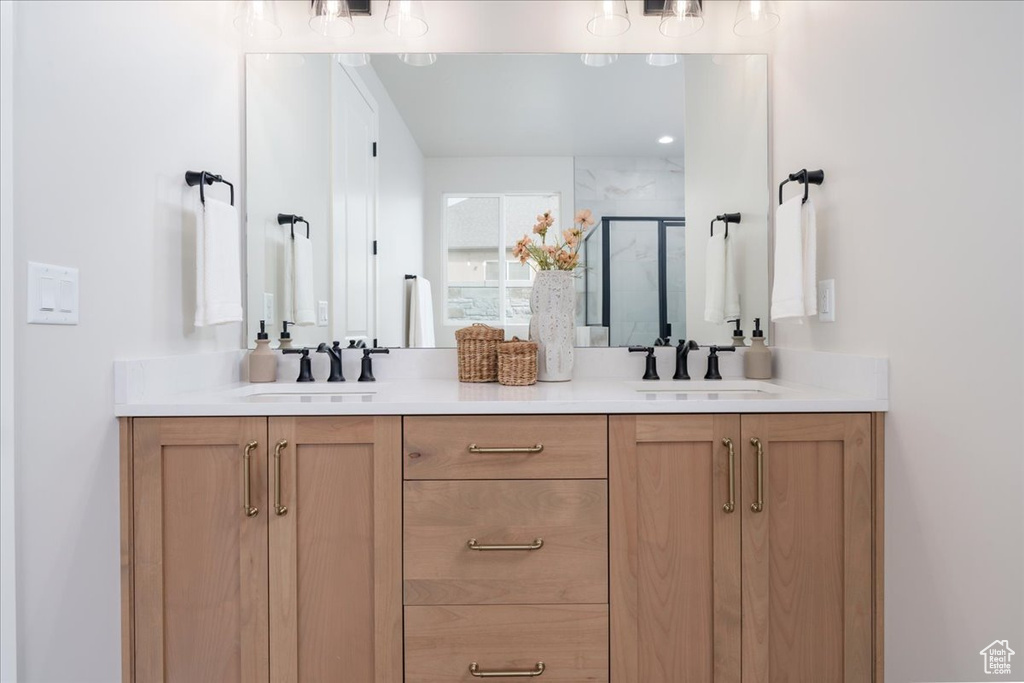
(262,360)
(757,361)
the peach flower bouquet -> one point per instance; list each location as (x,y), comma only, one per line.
(562,254)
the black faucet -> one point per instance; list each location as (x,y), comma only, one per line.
(334,353)
(366,375)
(713,372)
(682,356)
(305,369)
(651,370)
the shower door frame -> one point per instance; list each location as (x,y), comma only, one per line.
(664,222)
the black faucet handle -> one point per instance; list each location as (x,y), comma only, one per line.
(713,372)
(714,348)
(649,350)
(379,349)
(305,366)
(366,370)
(651,367)
(303,350)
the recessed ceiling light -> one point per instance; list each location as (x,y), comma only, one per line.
(666,139)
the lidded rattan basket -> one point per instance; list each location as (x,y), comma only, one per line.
(517,362)
(478,352)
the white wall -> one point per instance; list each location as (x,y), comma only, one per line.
(288,170)
(726,161)
(915,112)
(484,174)
(400,206)
(116,100)
(113,102)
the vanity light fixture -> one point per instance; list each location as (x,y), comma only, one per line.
(611,18)
(331,18)
(662,60)
(755,18)
(599,59)
(418,58)
(406,19)
(257,19)
(681,18)
(666,139)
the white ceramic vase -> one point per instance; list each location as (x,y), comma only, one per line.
(553,324)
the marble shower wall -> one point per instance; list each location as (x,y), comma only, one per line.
(633,187)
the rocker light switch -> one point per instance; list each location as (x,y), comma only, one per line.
(52,294)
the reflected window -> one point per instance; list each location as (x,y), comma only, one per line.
(484,282)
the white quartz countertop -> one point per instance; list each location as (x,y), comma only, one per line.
(450,397)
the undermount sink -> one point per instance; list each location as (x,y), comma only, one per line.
(730,387)
(310,392)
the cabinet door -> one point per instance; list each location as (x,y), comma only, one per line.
(807,548)
(675,549)
(335,492)
(200,556)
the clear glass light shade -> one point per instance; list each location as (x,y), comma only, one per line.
(331,18)
(257,19)
(418,58)
(681,18)
(406,18)
(662,60)
(755,18)
(353,59)
(611,18)
(598,59)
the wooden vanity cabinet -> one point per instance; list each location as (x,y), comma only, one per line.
(784,587)
(298,581)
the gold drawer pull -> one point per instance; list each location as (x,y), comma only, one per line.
(473,448)
(537,544)
(758,505)
(474,669)
(731,504)
(247,507)
(278,508)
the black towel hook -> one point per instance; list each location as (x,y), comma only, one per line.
(726,218)
(292,219)
(201,178)
(805,177)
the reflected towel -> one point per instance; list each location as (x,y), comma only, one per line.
(304,304)
(218,264)
(421,315)
(714,279)
(794,292)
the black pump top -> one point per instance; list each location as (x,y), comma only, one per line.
(737,332)
(262,334)
(285,334)
(758,332)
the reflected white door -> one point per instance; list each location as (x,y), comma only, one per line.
(353,207)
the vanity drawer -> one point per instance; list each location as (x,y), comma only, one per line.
(442,642)
(507,447)
(568,519)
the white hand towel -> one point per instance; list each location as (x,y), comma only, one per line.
(421,315)
(714,279)
(794,293)
(218,264)
(302,272)
(731,300)
(287,253)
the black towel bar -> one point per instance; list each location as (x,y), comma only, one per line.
(807,178)
(292,219)
(201,178)
(726,218)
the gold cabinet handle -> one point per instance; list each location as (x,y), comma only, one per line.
(731,503)
(278,508)
(247,507)
(537,670)
(473,448)
(758,505)
(537,544)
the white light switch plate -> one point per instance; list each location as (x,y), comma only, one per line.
(52,294)
(321,314)
(827,301)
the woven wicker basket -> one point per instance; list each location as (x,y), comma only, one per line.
(517,362)
(478,352)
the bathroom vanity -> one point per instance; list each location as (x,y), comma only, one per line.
(591,531)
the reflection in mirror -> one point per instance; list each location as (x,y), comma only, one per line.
(436,172)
